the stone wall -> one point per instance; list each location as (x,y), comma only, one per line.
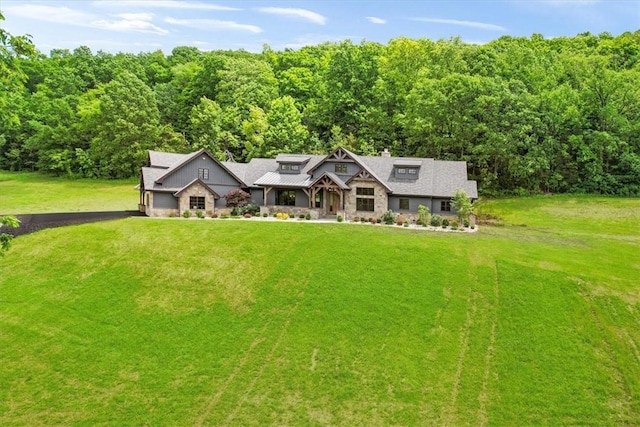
(380,204)
(196,189)
(293,211)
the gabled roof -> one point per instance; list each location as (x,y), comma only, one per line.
(342,153)
(333,177)
(159,159)
(196,181)
(192,156)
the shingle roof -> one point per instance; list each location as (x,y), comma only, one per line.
(160,159)
(292,158)
(335,178)
(197,180)
(190,157)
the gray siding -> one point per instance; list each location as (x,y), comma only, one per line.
(257,196)
(435,207)
(164,201)
(414,202)
(187,173)
(329,166)
(302,201)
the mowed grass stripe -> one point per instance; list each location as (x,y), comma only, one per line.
(175,322)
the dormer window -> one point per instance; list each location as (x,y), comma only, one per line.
(412,171)
(341,168)
(402,171)
(295,167)
(285,167)
(407,168)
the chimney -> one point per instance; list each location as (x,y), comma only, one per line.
(386,153)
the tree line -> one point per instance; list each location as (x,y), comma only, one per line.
(528,114)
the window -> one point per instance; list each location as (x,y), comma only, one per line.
(404,204)
(284,167)
(196,202)
(445,206)
(203,173)
(402,171)
(412,171)
(318,200)
(364,191)
(341,168)
(295,167)
(286,198)
(363,204)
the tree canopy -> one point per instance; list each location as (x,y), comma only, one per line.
(527,114)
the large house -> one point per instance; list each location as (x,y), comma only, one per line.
(341,182)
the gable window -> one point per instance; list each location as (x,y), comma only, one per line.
(203,173)
(196,202)
(412,171)
(341,168)
(364,191)
(404,204)
(286,197)
(445,206)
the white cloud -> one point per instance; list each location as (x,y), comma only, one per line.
(129,22)
(214,24)
(375,20)
(305,14)
(472,24)
(166,4)
(129,25)
(57,14)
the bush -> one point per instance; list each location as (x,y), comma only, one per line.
(389,217)
(473,227)
(356,219)
(301,216)
(307,216)
(250,208)
(455,224)
(339,218)
(372,220)
(379,220)
(210,213)
(172,214)
(445,222)
(224,216)
(406,224)
(199,213)
(399,222)
(186,214)
(214,215)
(235,211)
(466,223)
(265,214)
(283,216)
(363,219)
(436,220)
(423,215)
(248,215)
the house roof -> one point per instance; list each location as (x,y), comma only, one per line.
(159,159)
(292,158)
(408,162)
(275,179)
(196,181)
(335,178)
(192,156)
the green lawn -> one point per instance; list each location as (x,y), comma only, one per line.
(233,322)
(25,193)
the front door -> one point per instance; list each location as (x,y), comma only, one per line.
(334,202)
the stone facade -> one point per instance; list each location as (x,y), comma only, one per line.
(380,198)
(197,190)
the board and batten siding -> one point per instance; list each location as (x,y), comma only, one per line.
(164,201)
(330,166)
(257,196)
(187,173)
(414,202)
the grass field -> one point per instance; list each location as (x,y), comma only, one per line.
(211,322)
(25,193)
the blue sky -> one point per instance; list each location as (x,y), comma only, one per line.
(145,25)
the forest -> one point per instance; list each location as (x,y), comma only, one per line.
(527,114)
